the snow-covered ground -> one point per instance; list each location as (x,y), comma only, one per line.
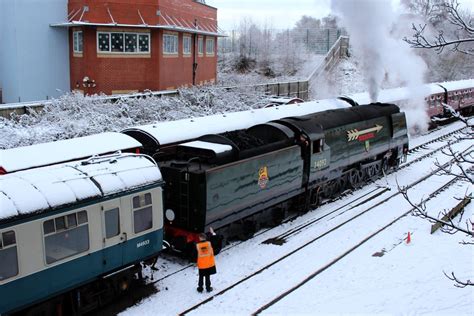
(385,275)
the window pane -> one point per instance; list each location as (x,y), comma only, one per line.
(104,42)
(112,223)
(144,43)
(80,41)
(66,243)
(130,42)
(187,45)
(48,227)
(147,198)
(8,238)
(71,220)
(9,260)
(136,201)
(60,223)
(200,45)
(82,217)
(117,42)
(142,219)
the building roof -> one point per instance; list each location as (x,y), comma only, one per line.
(158,19)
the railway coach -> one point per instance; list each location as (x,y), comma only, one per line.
(75,234)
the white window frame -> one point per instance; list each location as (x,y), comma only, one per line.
(78,46)
(210,43)
(138,52)
(187,46)
(201,45)
(170,44)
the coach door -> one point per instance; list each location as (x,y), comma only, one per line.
(113,234)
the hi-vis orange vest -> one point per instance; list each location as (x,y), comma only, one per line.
(205,255)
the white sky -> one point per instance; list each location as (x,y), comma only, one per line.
(278,13)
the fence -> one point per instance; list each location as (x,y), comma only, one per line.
(253,42)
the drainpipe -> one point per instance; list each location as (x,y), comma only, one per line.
(195,48)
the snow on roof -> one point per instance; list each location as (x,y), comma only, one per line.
(50,187)
(21,158)
(396,94)
(176,131)
(458,85)
(216,148)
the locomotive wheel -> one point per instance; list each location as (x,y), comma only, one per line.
(355,177)
(315,199)
(278,215)
(248,229)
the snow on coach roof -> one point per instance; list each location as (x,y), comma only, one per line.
(64,150)
(50,187)
(170,132)
(458,85)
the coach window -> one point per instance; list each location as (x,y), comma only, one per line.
(142,212)
(66,236)
(112,223)
(8,255)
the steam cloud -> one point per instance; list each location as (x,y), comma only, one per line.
(371,25)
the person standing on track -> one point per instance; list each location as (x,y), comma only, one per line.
(205,262)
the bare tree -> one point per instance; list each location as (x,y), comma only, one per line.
(460,166)
(463,35)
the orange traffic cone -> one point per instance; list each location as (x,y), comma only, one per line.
(408,238)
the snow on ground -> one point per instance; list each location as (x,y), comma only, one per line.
(400,279)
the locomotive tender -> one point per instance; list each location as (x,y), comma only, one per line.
(65,226)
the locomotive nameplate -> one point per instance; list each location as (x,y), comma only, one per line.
(366,134)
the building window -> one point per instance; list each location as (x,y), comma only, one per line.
(65,236)
(142,212)
(8,255)
(78,41)
(209,46)
(200,45)
(170,44)
(187,45)
(123,42)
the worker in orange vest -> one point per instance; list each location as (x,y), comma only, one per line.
(205,262)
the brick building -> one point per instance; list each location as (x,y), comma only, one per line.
(123,46)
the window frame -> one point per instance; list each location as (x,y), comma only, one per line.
(6,248)
(200,44)
(143,204)
(78,224)
(175,43)
(210,40)
(187,38)
(124,34)
(78,46)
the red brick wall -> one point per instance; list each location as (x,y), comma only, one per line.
(134,72)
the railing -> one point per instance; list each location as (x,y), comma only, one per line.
(298,89)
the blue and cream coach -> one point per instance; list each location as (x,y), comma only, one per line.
(65,226)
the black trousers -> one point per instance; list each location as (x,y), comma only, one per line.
(208,280)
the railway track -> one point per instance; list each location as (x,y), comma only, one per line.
(339,257)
